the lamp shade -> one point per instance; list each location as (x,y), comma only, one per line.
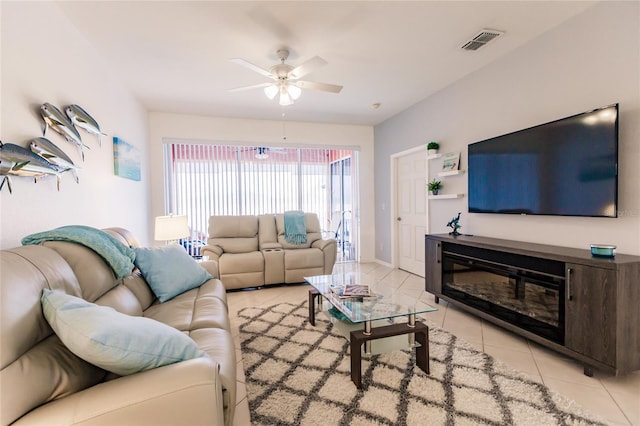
(171,227)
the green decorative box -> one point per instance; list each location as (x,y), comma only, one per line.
(603,250)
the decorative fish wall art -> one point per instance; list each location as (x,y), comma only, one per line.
(59,122)
(43,158)
(50,152)
(81,118)
(18,161)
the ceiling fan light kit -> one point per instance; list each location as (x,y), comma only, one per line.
(287,83)
(262,154)
(271,91)
(288,93)
(294,91)
(285,99)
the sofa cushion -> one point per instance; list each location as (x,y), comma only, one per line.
(313,231)
(116,342)
(139,287)
(36,366)
(122,299)
(234,234)
(202,307)
(169,270)
(239,263)
(233,227)
(303,258)
(48,371)
(94,275)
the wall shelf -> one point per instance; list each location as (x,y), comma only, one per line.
(451,173)
(445,196)
(434,156)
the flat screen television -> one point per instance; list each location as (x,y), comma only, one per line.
(568,167)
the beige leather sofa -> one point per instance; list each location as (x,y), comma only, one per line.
(43,383)
(251,251)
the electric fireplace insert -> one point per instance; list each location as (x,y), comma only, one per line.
(525,291)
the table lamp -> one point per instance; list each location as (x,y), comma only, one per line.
(171,228)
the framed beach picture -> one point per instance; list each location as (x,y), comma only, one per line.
(126,160)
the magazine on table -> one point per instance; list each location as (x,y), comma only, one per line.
(352,290)
(356,290)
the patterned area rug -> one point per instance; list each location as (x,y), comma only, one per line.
(297,374)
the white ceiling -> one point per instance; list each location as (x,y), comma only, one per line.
(175,55)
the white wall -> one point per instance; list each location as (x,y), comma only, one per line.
(45,59)
(590,61)
(170,127)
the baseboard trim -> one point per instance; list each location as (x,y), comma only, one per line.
(383,263)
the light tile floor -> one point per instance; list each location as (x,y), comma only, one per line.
(616,399)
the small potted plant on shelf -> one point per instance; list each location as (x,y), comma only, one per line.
(434,186)
(432,148)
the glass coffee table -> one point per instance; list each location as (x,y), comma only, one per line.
(365,317)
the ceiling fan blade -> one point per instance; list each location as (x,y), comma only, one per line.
(253,67)
(325,87)
(307,67)
(253,86)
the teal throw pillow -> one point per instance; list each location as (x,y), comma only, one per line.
(169,270)
(114,341)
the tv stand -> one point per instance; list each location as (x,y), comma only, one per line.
(563,298)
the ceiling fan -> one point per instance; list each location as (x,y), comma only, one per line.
(262,152)
(286,78)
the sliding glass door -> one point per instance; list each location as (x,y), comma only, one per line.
(342,207)
(202,180)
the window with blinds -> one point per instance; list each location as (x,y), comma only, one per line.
(202,180)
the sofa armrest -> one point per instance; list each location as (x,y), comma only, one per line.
(323,244)
(329,249)
(211,266)
(185,393)
(214,252)
(270,246)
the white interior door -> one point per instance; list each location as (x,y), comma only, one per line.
(411,211)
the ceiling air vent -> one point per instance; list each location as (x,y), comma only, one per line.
(481,38)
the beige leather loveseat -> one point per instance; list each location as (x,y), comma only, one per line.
(252,250)
(42,382)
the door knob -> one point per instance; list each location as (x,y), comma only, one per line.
(399,219)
